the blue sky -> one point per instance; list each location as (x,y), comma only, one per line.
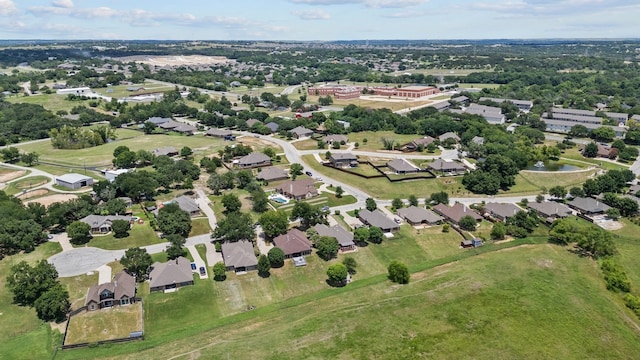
(317,19)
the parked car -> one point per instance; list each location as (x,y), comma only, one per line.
(308,173)
(203,271)
(325,209)
(193,266)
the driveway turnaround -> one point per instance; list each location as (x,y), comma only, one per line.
(83,260)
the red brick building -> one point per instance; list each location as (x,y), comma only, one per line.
(416,91)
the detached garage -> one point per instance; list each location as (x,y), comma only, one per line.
(74,181)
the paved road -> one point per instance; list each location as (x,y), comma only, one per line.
(289,90)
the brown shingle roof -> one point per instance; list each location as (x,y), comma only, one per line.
(293,242)
(297,188)
(172,272)
(456,212)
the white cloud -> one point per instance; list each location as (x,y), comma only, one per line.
(7,8)
(553,7)
(368,3)
(315,14)
(63,3)
(405,14)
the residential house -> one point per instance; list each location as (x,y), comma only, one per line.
(167,151)
(460,99)
(253,160)
(341,160)
(550,210)
(418,215)
(588,206)
(449,135)
(378,219)
(158,120)
(185,129)
(111,175)
(344,237)
(273,127)
(188,205)
(221,133)
(119,292)
(447,167)
(101,224)
(478,140)
(402,166)
(301,132)
(74,181)
(298,189)
(456,212)
(330,139)
(415,144)
(239,256)
(169,125)
(604,151)
(251,122)
(294,244)
(501,211)
(272,173)
(170,275)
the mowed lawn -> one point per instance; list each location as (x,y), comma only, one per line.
(139,235)
(537,301)
(103,155)
(384,189)
(528,182)
(22,334)
(105,324)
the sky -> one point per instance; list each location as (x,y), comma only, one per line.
(318,19)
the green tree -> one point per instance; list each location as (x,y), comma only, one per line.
(413,200)
(149,127)
(559,192)
(186,152)
(79,232)
(498,231)
(327,247)
(295,170)
(264,266)
(173,220)
(231,203)
(120,228)
(351,264)
(234,227)
(274,223)
(309,215)
(370,204)
(339,191)
(613,213)
(467,223)
(260,201)
(29,158)
(10,154)
(53,304)
(439,197)
(375,235)
(28,283)
(361,235)
(137,261)
(337,274)
(590,150)
(175,248)
(398,272)
(276,257)
(397,203)
(219,271)
(576,192)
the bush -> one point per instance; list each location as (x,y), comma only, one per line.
(614,276)
(276,257)
(398,272)
(337,274)
(219,271)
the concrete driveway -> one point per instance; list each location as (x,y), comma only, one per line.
(197,259)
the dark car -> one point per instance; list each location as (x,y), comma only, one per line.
(193,266)
(203,271)
(308,173)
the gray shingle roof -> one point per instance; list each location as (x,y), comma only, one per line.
(456,211)
(550,208)
(272,173)
(401,165)
(415,215)
(503,210)
(172,272)
(344,237)
(239,254)
(589,205)
(377,218)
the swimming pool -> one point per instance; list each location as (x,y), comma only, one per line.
(279,199)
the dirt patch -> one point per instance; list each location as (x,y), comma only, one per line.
(31,194)
(177,60)
(11,175)
(48,200)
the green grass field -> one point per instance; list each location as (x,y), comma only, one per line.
(477,308)
(25,183)
(102,155)
(199,226)
(140,235)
